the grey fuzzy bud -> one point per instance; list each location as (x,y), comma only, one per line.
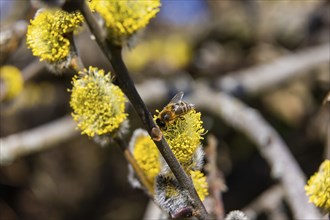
(236,215)
(178,204)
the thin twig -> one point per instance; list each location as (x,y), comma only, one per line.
(326,104)
(75,62)
(32,69)
(327,147)
(3,90)
(130,158)
(11,37)
(114,56)
(215,179)
(37,139)
(256,79)
(271,146)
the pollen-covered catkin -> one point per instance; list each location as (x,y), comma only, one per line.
(124,18)
(98,105)
(46,34)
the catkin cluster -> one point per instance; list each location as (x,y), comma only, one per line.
(122,19)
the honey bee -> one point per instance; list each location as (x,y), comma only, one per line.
(175,108)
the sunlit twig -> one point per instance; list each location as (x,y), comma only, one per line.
(215,180)
(36,139)
(256,79)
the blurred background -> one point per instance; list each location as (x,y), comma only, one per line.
(188,41)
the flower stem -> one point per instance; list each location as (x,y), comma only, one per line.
(75,62)
(113,54)
(129,157)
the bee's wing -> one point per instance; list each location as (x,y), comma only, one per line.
(177,98)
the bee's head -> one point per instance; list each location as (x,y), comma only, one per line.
(160,123)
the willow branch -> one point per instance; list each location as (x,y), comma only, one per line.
(215,180)
(256,79)
(126,84)
(271,146)
(326,104)
(37,139)
(131,160)
(75,62)
(32,69)
(327,147)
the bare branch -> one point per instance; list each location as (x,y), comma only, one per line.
(326,104)
(215,180)
(259,78)
(37,139)
(32,69)
(327,150)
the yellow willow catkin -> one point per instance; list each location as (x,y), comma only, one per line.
(13,81)
(125,17)
(98,105)
(46,34)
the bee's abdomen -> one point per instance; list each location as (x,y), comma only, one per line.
(184,108)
